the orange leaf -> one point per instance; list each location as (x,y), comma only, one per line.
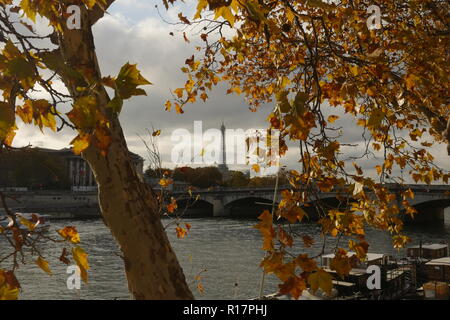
(293,286)
(305,263)
(70,233)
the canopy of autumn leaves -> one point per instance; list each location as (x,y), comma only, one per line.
(304,56)
(310,58)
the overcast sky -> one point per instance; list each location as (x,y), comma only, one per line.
(134,32)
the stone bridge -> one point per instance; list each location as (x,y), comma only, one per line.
(429,200)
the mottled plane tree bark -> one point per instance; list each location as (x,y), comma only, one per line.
(128,206)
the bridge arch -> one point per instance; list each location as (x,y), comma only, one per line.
(250,206)
(191,208)
(432,211)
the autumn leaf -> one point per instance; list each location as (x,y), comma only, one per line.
(341,263)
(293,286)
(376,117)
(81,259)
(80,143)
(294,214)
(307,241)
(265,226)
(165,182)
(70,233)
(128,80)
(181,232)
(272,262)
(361,248)
(172,206)
(63,258)
(284,237)
(9,286)
(27,223)
(200,288)
(321,279)
(183,18)
(7,120)
(21,68)
(305,263)
(400,241)
(43,264)
(332,118)
(202,4)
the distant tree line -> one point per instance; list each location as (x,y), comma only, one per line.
(206,177)
(33,169)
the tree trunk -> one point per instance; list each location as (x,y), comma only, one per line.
(128,206)
(129,209)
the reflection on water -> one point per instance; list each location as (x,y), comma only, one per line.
(228,249)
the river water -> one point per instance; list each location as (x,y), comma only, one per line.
(225,252)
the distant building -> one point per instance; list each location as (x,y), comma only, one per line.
(223,168)
(80,173)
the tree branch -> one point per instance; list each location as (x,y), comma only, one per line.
(98,12)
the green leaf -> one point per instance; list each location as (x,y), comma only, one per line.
(54,62)
(128,80)
(20,68)
(116,104)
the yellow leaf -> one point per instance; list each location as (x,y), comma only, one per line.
(202,4)
(80,143)
(332,118)
(7,119)
(179,92)
(354,70)
(29,9)
(165,182)
(226,13)
(70,233)
(43,264)
(321,279)
(255,167)
(290,15)
(81,258)
(168,105)
(8,293)
(411,80)
(30,225)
